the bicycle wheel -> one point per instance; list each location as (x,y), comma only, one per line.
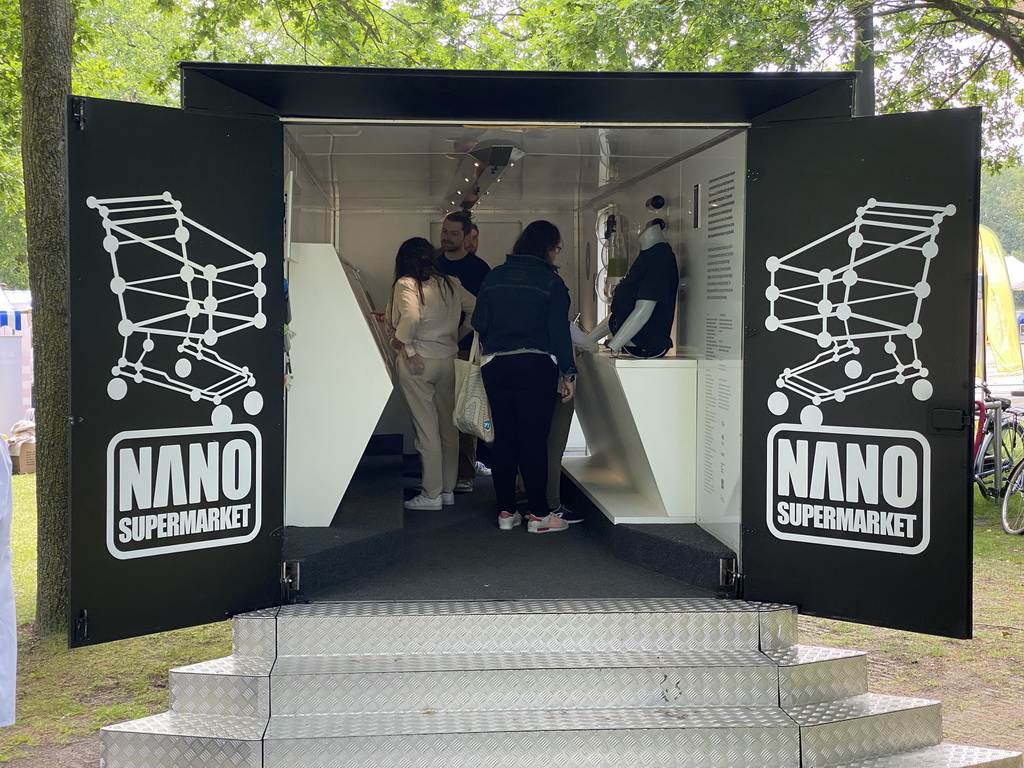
(1013,438)
(1011,452)
(1013,501)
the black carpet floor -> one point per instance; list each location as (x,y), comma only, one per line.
(461,554)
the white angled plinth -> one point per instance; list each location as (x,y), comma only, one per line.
(340,386)
(639,418)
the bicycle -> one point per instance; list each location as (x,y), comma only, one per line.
(998,445)
(1013,501)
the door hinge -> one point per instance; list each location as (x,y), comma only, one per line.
(290,578)
(727,571)
(729,577)
(82,627)
(78,112)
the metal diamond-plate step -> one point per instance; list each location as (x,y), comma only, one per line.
(230,686)
(255,634)
(552,625)
(865,726)
(333,684)
(184,741)
(606,683)
(809,674)
(942,756)
(708,738)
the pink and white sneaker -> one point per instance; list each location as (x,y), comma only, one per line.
(509,520)
(550,523)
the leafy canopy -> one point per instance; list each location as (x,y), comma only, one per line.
(929,54)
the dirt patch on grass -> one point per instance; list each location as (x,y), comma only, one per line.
(82,752)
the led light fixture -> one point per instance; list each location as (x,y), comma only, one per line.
(481,167)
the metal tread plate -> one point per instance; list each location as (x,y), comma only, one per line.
(855,707)
(447,662)
(222,687)
(503,690)
(694,748)
(434,722)
(503,633)
(942,756)
(261,613)
(203,726)
(241,666)
(255,634)
(513,607)
(816,676)
(809,654)
(865,726)
(136,750)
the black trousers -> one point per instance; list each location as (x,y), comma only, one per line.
(521,390)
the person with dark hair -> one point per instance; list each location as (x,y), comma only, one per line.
(456,259)
(425,310)
(522,316)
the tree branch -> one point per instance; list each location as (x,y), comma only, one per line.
(1000,25)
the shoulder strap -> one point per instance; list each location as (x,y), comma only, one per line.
(474,350)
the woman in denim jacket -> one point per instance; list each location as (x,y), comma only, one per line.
(521,314)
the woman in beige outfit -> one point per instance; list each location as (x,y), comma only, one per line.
(425,309)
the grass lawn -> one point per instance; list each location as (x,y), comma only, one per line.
(64,694)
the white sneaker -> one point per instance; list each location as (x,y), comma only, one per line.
(447,499)
(423,502)
(482,470)
(509,520)
(550,523)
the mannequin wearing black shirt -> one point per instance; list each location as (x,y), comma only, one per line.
(644,302)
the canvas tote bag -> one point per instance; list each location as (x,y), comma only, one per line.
(472,411)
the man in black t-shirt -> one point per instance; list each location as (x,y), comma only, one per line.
(458,259)
(455,260)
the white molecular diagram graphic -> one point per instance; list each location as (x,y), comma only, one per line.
(202,288)
(857,304)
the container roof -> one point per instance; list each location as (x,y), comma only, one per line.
(348,93)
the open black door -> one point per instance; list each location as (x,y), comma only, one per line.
(177,307)
(861,254)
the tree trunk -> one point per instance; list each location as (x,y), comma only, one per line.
(47,30)
(864,59)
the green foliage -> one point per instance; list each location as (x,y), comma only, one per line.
(929,54)
(10,106)
(13,249)
(124,50)
(933,60)
(1002,208)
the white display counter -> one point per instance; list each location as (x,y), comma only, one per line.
(640,421)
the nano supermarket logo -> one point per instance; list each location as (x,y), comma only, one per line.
(850,487)
(176,490)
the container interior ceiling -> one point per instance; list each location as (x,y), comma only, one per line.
(411,175)
(411,167)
